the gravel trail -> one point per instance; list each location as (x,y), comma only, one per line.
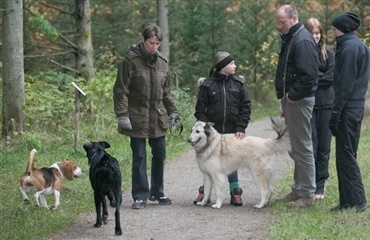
(183,220)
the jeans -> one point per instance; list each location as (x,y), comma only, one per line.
(321,140)
(140,185)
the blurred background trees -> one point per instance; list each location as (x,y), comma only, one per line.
(84,40)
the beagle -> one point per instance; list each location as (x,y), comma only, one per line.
(47,180)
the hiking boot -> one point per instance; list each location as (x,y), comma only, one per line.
(290,197)
(201,195)
(302,202)
(138,204)
(161,200)
(236,197)
(361,207)
(341,207)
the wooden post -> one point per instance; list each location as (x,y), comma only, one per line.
(77,117)
(78,92)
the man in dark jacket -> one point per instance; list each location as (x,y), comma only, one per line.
(351,76)
(295,83)
(145,106)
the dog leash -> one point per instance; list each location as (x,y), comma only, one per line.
(181,129)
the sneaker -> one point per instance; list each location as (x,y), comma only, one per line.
(200,196)
(319,196)
(236,197)
(138,204)
(290,197)
(161,200)
(302,202)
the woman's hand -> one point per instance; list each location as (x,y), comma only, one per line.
(239,135)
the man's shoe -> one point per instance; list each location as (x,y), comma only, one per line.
(138,204)
(302,202)
(200,196)
(361,207)
(340,207)
(289,198)
(161,200)
(236,197)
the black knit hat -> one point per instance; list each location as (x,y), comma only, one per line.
(347,22)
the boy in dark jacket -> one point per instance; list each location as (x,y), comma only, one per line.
(223,100)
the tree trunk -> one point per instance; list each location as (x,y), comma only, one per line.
(162,6)
(13,68)
(85,62)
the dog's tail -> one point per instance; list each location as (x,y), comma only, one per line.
(283,140)
(31,161)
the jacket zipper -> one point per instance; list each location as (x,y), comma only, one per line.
(223,125)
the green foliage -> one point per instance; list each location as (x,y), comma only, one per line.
(49,99)
(44,26)
(55,143)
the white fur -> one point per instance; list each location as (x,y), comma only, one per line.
(218,155)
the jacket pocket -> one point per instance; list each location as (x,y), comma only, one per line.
(162,118)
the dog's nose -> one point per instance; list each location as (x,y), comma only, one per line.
(189,140)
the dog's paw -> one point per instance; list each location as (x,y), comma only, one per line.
(97,225)
(118,231)
(113,203)
(216,206)
(260,206)
(52,208)
(105,219)
(201,203)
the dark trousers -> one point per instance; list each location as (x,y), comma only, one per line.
(351,189)
(321,141)
(140,185)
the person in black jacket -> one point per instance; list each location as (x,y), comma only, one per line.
(223,100)
(351,77)
(295,84)
(324,99)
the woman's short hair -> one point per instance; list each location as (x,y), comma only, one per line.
(152,30)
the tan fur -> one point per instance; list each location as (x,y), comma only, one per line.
(218,155)
(37,179)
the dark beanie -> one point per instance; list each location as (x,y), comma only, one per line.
(347,22)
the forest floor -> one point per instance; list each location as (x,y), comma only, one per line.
(183,220)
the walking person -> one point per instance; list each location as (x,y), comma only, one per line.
(145,107)
(223,100)
(295,84)
(324,99)
(351,76)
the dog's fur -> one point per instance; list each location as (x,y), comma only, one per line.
(218,155)
(105,178)
(47,180)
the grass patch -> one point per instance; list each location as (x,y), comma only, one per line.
(318,222)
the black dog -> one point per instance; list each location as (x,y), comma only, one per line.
(105,179)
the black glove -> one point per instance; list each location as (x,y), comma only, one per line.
(124,122)
(334,123)
(174,119)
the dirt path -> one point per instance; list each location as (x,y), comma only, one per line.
(183,220)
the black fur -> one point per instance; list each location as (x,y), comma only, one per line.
(105,179)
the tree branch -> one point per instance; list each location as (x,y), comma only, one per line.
(55,7)
(50,55)
(67,41)
(65,67)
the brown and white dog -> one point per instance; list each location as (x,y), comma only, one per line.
(47,180)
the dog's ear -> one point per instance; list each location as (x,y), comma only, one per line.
(105,144)
(207,128)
